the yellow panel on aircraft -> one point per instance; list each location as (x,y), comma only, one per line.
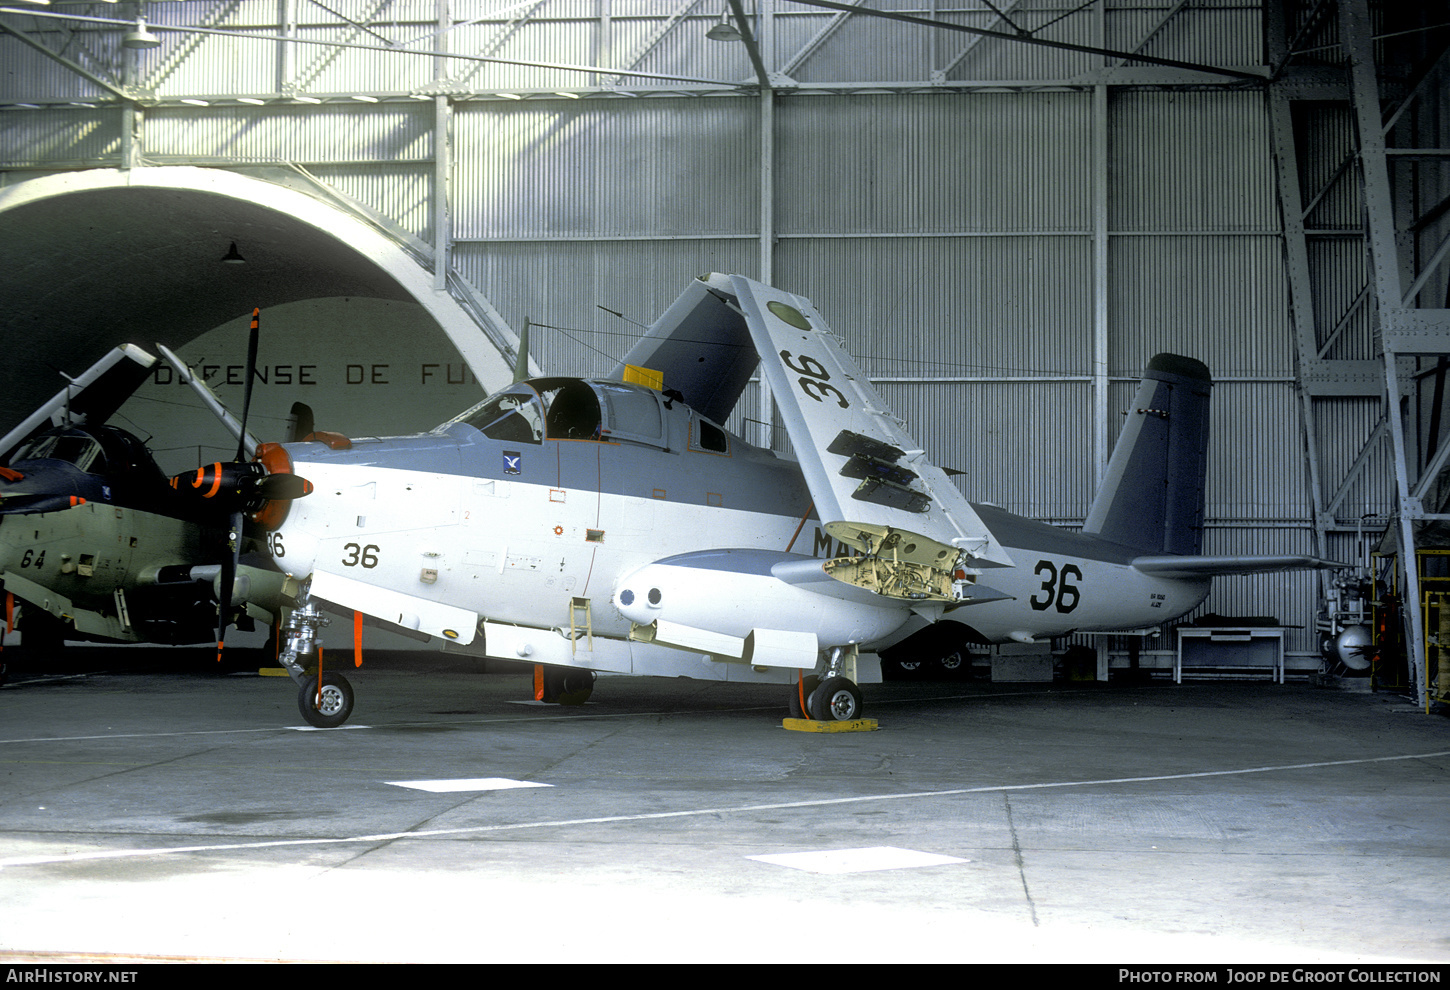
(635,375)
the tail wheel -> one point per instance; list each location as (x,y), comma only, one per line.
(326,708)
(836,700)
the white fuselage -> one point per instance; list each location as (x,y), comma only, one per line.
(443,532)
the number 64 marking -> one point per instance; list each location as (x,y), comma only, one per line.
(1058,590)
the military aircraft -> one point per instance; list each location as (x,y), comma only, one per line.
(95,541)
(614,525)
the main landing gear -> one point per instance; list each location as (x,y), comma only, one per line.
(828,697)
(323,697)
(562,685)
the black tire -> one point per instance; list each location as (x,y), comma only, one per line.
(903,669)
(576,688)
(805,688)
(567,686)
(336,701)
(957,663)
(836,700)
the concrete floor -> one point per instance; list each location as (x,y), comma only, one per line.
(169,812)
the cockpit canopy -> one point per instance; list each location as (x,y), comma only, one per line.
(100,450)
(571,409)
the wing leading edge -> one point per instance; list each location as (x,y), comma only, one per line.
(872,485)
(1189,568)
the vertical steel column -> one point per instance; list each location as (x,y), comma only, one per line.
(764,44)
(1100,285)
(1100,274)
(766,401)
(1386,277)
(442,155)
(133,118)
(287,23)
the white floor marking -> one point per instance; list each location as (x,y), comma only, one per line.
(857,860)
(697,812)
(465,784)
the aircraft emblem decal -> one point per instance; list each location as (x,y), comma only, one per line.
(513,462)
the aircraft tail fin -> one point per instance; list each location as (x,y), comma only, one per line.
(700,347)
(1152,498)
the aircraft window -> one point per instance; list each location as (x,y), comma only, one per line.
(573,410)
(79,449)
(633,413)
(712,438)
(514,415)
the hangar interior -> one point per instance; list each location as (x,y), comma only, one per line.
(1005,208)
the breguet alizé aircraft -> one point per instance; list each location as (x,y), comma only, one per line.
(614,525)
(97,544)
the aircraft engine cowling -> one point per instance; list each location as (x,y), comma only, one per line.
(263,488)
(763,607)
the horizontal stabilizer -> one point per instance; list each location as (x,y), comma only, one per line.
(1207,567)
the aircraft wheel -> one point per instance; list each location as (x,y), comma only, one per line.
(576,688)
(4,670)
(955,663)
(836,700)
(797,691)
(905,669)
(336,704)
(567,686)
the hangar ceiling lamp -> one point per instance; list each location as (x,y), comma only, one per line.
(723,30)
(139,37)
(233,256)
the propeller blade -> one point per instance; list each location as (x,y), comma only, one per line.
(283,487)
(252,335)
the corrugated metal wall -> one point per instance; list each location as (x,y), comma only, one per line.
(949,237)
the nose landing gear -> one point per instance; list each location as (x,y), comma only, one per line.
(324,698)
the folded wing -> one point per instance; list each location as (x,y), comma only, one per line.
(873,487)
